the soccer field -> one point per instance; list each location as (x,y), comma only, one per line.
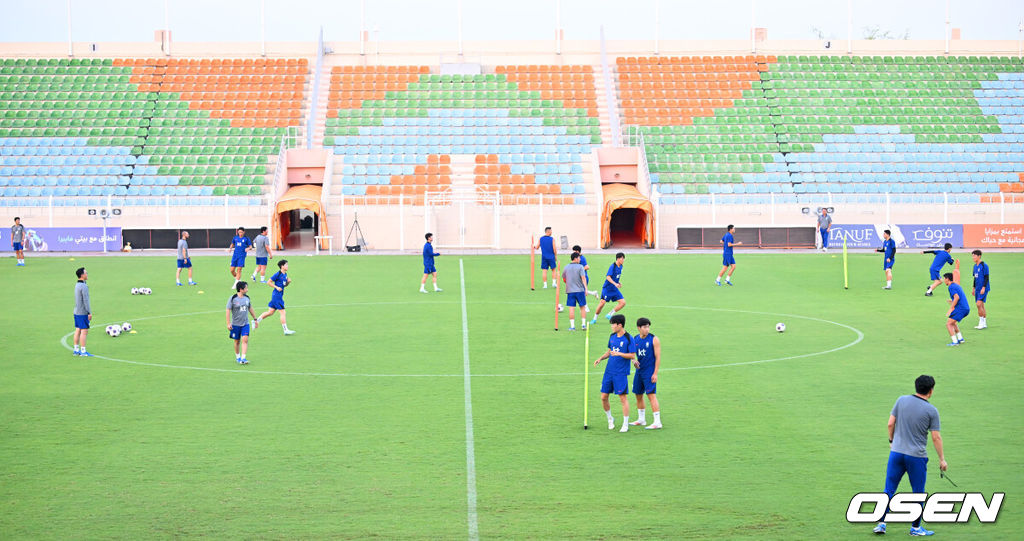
(364,424)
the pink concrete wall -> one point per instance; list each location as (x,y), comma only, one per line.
(306,166)
(618,164)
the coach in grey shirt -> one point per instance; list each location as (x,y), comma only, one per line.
(18,241)
(824,227)
(83,313)
(262,246)
(184,260)
(575,276)
(911,420)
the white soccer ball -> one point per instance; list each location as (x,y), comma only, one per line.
(781,327)
(114,330)
(126,327)
(135,291)
(147,291)
(561,308)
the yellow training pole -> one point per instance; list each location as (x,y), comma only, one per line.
(846,278)
(586,374)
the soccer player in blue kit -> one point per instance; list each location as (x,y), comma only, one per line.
(645,381)
(616,372)
(889,249)
(548,257)
(980,288)
(240,244)
(942,257)
(278,282)
(728,262)
(958,309)
(611,288)
(428,263)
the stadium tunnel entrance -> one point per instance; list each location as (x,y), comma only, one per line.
(628,218)
(299,216)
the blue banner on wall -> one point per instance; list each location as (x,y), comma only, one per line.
(905,235)
(64,239)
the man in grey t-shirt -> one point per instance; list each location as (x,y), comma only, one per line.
(575,277)
(824,227)
(184,260)
(910,421)
(262,246)
(83,313)
(18,241)
(237,313)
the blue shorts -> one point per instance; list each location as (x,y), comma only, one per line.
(981,298)
(548,263)
(81,322)
(429,269)
(17,247)
(238,261)
(934,274)
(728,260)
(576,299)
(185,263)
(642,383)
(611,295)
(887,264)
(238,331)
(959,314)
(276,304)
(261,261)
(615,383)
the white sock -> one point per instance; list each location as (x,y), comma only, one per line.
(953,338)
(76,348)
(959,336)
(572,323)
(625,420)
(609,414)
(82,350)
(284,326)
(238,355)
(728,278)
(657,417)
(641,415)
(263,277)
(423,287)
(982,320)
(612,313)
(545,284)
(888,283)
(718,278)
(243,356)
(552,282)
(436,288)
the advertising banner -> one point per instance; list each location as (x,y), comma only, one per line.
(994,236)
(64,239)
(906,235)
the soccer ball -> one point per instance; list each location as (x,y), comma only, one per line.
(561,308)
(114,330)
(135,291)
(126,327)
(781,327)
(146,291)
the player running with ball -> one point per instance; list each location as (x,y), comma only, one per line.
(616,373)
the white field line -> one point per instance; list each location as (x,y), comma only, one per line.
(474,533)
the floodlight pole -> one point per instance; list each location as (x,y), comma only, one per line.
(362,27)
(558,27)
(753,26)
(947,27)
(657,25)
(71,48)
(849,26)
(167,28)
(263,27)
(459,18)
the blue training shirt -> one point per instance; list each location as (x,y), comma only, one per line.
(942,257)
(727,250)
(981,278)
(619,344)
(615,272)
(240,244)
(279,279)
(961,303)
(644,349)
(890,249)
(547,246)
(583,261)
(428,254)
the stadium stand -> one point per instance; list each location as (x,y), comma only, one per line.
(920,128)
(527,128)
(138,130)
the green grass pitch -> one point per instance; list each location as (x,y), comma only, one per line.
(355,427)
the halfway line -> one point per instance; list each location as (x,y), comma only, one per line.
(474,533)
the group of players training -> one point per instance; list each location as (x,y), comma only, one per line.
(642,351)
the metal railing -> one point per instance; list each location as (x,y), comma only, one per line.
(610,94)
(315,90)
(633,136)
